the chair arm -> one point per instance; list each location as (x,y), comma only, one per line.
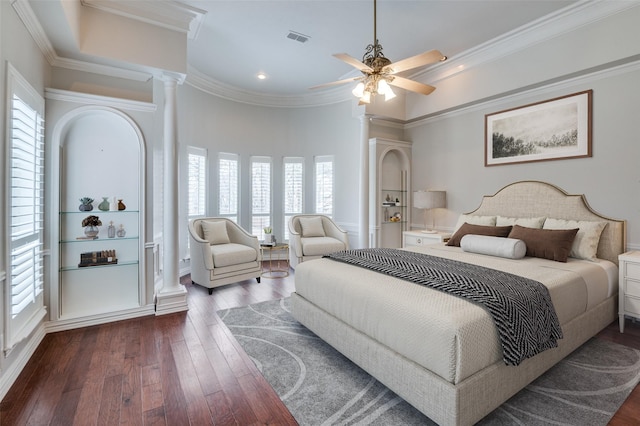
(240,236)
(201,251)
(295,243)
(334,231)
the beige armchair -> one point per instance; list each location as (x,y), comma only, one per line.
(311,236)
(222,253)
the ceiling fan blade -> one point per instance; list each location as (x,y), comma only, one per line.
(335,83)
(411,85)
(353,62)
(414,62)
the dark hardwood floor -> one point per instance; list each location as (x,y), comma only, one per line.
(178,369)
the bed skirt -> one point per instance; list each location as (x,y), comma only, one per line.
(444,403)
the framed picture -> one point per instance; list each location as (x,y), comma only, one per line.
(549,130)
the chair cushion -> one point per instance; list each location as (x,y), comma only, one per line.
(232,254)
(312,226)
(215,232)
(318,246)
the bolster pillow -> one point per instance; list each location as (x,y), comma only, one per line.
(510,248)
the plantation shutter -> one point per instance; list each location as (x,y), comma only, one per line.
(197,185)
(293,171)
(324,185)
(25,165)
(260,195)
(228,186)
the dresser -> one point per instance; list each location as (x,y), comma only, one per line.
(629,286)
(419,238)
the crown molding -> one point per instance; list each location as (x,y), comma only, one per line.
(32,24)
(106,101)
(548,88)
(213,87)
(171,15)
(543,29)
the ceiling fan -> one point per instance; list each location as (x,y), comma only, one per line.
(379,72)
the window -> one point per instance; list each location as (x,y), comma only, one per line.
(324,184)
(293,178)
(25,200)
(260,195)
(197,187)
(228,186)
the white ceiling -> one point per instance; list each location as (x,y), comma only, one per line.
(239,38)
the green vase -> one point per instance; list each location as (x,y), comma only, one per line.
(104,205)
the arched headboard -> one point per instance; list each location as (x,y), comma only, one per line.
(541,199)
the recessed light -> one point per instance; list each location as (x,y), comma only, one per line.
(261,76)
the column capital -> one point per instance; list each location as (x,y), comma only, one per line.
(171,77)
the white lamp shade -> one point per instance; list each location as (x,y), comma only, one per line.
(429,199)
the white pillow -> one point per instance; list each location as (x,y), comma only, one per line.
(528,222)
(475,220)
(585,245)
(215,232)
(510,248)
(312,226)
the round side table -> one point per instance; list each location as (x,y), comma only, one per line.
(279,248)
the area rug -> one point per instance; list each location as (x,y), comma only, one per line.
(320,386)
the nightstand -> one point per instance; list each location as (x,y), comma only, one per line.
(628,286)
(419,238)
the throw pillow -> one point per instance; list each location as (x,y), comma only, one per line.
(529,222)
(552,244)
(312,226)
(215,232)
(468,228)
(474,220)
(585,245)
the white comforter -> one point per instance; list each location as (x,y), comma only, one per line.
(445,334)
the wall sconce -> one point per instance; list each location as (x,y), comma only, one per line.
(429,200)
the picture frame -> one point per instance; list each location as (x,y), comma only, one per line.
(558,128)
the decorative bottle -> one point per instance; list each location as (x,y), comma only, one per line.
(111,230)
(121,205)
(104,205)
(121,232)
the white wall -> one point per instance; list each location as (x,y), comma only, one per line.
(30,63)
(451,148)
(220,125)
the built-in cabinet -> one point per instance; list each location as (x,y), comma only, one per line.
(389,191)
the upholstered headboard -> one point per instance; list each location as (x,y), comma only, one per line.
(537,199)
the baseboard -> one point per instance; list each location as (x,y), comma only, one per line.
(73,323)
(23,356)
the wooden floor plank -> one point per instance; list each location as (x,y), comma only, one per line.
(174,369)
(197,407)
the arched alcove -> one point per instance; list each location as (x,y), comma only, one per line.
(98,153)
(390,191)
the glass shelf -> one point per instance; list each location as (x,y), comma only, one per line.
(98,212)
(112,265)
(97,240)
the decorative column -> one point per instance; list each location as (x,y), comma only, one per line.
(172,296)
(363,232)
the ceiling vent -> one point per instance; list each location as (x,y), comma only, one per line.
(298,37)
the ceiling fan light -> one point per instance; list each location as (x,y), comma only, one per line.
(365,98)
(389,95)
(385,89)
(358,90)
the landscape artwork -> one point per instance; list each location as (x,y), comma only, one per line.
(558,128)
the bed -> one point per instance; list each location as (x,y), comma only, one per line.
(441,353)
